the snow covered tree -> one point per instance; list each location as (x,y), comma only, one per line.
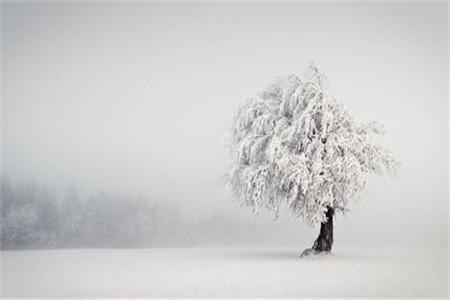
(295,145)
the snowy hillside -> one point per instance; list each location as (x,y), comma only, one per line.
(224,272)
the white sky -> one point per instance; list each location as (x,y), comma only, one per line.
(137,97)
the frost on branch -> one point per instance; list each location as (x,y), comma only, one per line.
(294,144)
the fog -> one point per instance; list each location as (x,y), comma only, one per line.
(136,99)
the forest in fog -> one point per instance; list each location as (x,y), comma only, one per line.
(35,216)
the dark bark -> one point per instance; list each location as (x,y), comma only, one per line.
(324,241)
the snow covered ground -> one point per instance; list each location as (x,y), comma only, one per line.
(224,272)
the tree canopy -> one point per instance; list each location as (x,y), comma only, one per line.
(295,145)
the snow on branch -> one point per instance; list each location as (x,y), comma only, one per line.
(295,145)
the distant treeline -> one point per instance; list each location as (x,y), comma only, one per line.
(33,216)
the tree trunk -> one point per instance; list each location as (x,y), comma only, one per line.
(324,241)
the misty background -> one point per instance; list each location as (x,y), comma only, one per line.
(114,118)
